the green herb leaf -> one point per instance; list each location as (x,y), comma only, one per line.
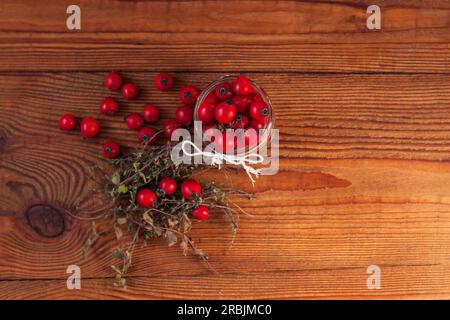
(123,189)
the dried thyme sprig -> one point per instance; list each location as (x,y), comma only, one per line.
(170,217)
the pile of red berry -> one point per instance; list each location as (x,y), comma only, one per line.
(233,104)
(90,127)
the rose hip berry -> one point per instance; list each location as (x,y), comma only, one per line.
(225,112)
(241,121)
(242,86)
(168,185)
(184,115)
(111,149)
(89,127)
(242,103)
(251,137)
(134,121)
(257,97)
(205,112)
(259,110)
(190,187)
(223,91)
(146,198)
(109,106)
(201,212)
(130,91)
(113,81)
(163,81)
(169,126)
(67,122)
(257,124)
(188,94)
(226,143)
(211,98)
(146,135)
(151,113)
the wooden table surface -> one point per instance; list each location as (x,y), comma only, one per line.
(364,120)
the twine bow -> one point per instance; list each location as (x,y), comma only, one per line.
(219,158)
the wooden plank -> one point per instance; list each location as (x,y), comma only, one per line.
(412,282)
(363,181)
(213,35)
(320,116)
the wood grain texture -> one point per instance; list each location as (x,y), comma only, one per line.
(364,127)
(224,36)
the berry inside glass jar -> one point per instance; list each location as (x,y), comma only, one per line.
(238,121)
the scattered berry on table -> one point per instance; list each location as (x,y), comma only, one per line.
(201,212)
(184,115)
(113,81)
(151,113)
(111,149)
(134,121)
(188,94)
(67,122)
(109,106)
(146,135)
(89,127)
(163,81)
(169,126)
(130,91)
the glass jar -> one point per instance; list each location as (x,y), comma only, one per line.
(264,134)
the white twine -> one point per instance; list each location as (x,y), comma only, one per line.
(219,158)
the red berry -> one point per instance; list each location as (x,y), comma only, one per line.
(67,122)
(109,106)
(257,124)
(206,127)
(257,97)
(242,103)
(251,137)
(242,86)
(201,212)
(151,113)
(211,98)
(188,94)
(211,132)
(164,81)
(146,198)
(89,127)
(113,81)
(130,91)
(168,185)
(184,115)
(241,121)
(189,188)
(205,112)
(146,135)
(225,112)
(223,91)
(169,126)
(226,143)
(134,121)
(259,110)
(111,149)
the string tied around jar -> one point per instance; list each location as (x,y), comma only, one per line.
(246,161)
